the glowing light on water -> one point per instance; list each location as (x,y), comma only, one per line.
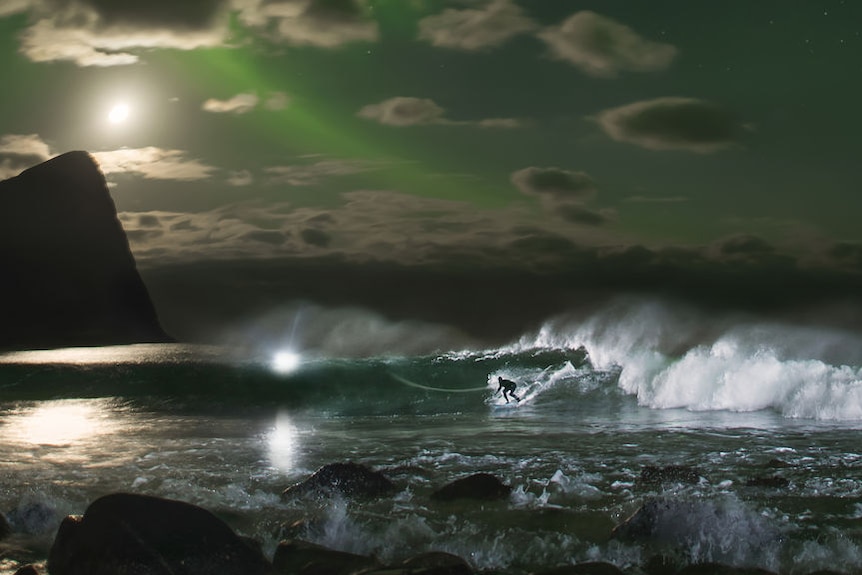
(286,361)
(283,442)
(59,423)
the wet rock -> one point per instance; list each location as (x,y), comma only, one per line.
(349,479)
(5,528)
(652,475)
(720,569)
(480,486)
(591,568)
(661,565)
(27,570)
(774,481)
(436,563)
(127,533)
(295,557)
(777,464)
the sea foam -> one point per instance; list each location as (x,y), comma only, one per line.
(678,357)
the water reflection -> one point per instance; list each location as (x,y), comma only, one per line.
(60,423)
(283,442)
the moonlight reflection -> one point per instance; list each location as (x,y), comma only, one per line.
(59,422)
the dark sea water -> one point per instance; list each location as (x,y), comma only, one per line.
(637,384)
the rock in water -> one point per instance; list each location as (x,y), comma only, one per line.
(127,533)
(349,479)
(481,486)
(69,277)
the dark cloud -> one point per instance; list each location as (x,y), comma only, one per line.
(192,14)
(271,237)
(602,47)
(672,124)
(578,214)
(149,221)
(316,237)
(555,183)
(744,245)
(335,10)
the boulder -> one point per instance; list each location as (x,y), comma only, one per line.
(349,479)
(295,557)
(589,568)
(721,569)
(480,486)
(5,528)
(27,570)
(652,475)
(69,277)
(436,563)
(127,533)
(774,482)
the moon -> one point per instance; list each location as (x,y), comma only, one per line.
(119,113)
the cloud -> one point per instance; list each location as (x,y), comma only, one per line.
(602,47)
(554,183)
(101,33)
(402,111)
(153,163)
(685,124)
(312,174)
(239,104)
(320,23)
(246,102)
(240,178)
(21,151)
(475,29)
(276,101)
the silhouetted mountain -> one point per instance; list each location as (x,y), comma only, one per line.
(67,276)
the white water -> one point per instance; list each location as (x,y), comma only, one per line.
(673,357)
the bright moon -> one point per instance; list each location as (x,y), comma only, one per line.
(118,114)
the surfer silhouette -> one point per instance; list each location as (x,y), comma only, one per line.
(508,387)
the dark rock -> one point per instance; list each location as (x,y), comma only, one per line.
(5,528)
(126,533)
(436,563)
(481,486)
(590,568)
(661,565)
(653,475)
(774,481)
(349,479)
(720,569)
(777,464)
(69,277)
(296,557)
(27,570)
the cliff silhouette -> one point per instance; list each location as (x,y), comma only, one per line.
(67,275)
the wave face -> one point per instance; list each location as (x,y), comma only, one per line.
(633,353)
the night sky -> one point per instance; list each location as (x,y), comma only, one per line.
(449,160)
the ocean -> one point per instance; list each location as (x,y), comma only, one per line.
(766,414)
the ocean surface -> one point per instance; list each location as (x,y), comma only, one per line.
(603,397)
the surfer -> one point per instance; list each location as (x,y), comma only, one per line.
(508,386)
